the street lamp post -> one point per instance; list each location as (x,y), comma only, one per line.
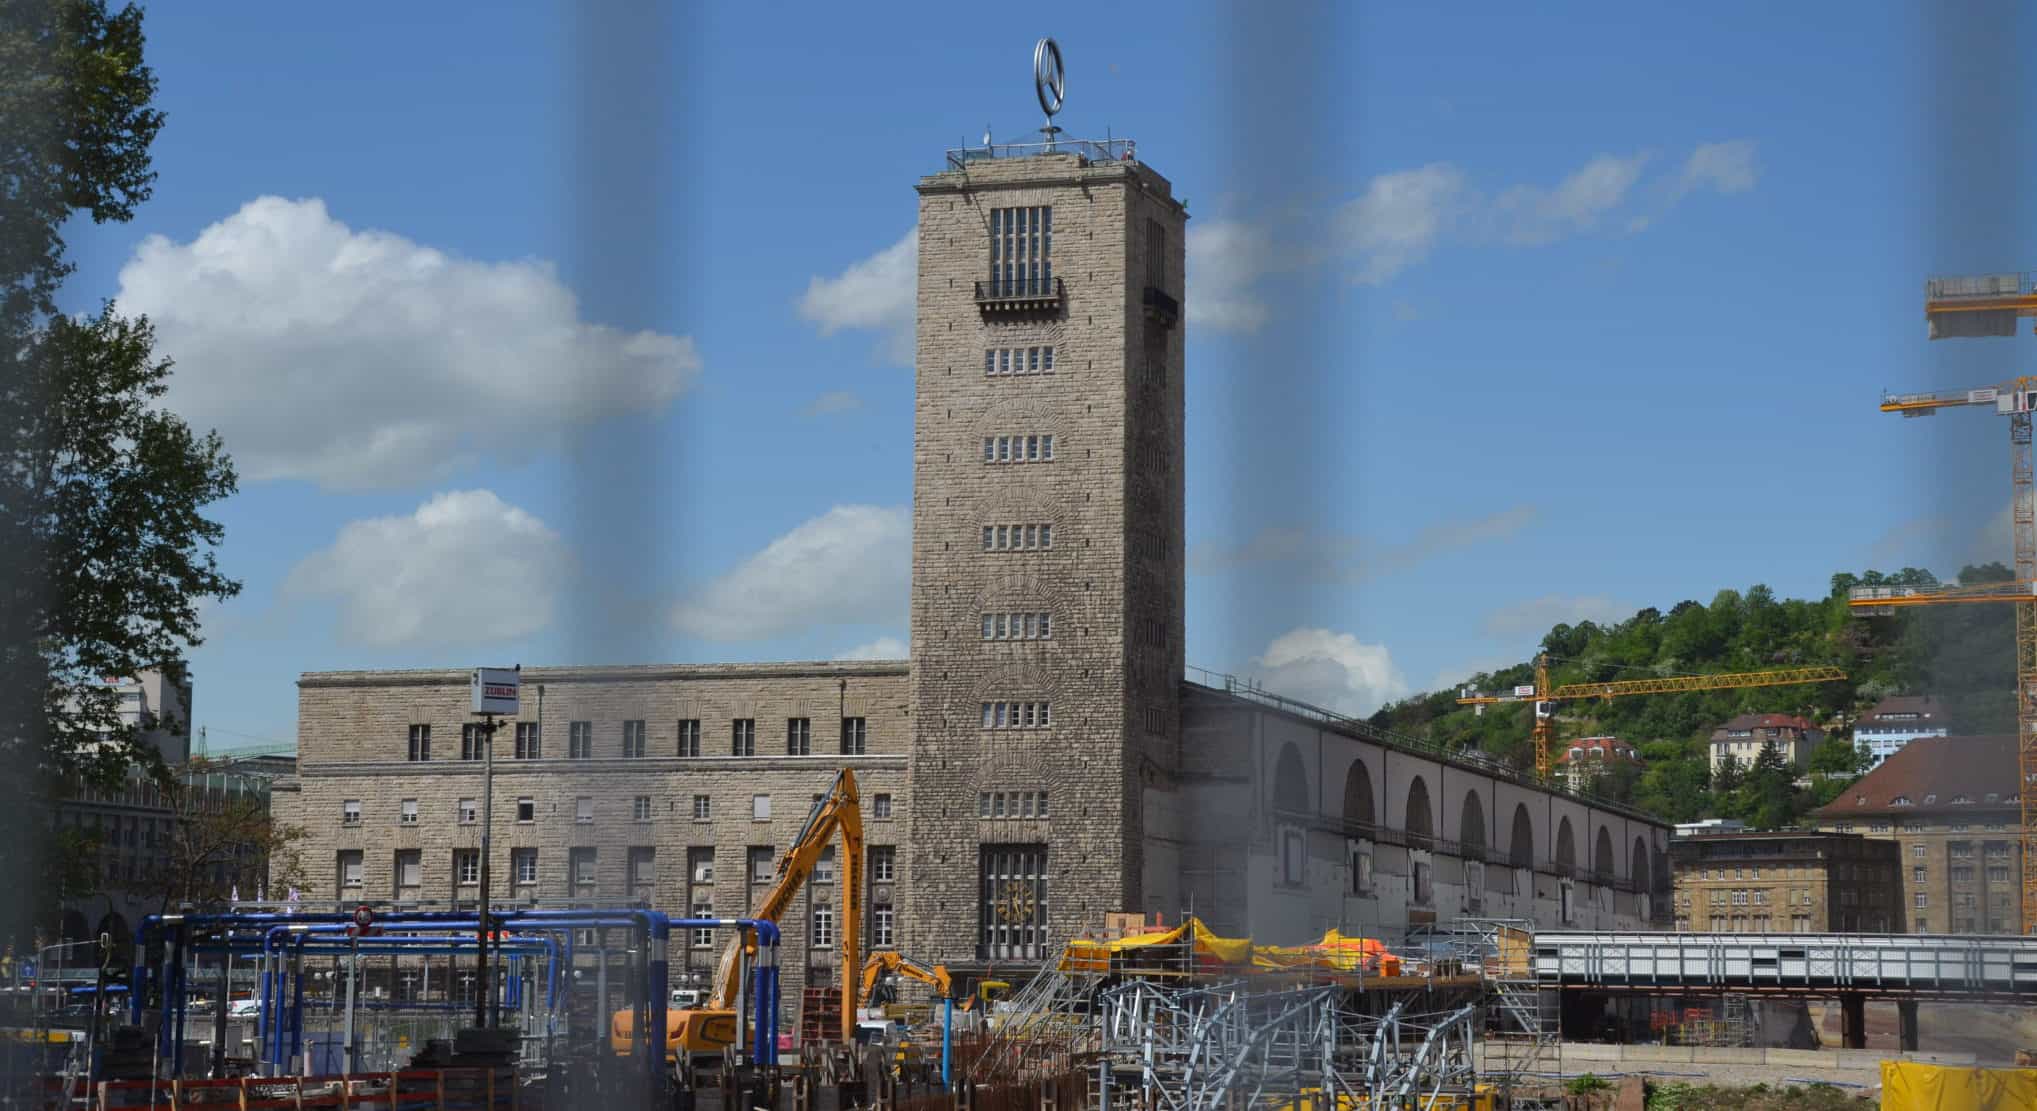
(481,992)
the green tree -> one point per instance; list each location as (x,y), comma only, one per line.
(221,836)
(1770,791)
(106,548)
(1837,756)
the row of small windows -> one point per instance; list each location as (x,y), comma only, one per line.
(1018,626)
(409,867)
(1018,715)
(1018,449)
(1002,361)
(468,811)
(1021,250)
(1956,800)
(1017,538)
(1011,804)
(854,739)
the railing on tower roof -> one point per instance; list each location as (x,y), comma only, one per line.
(1089,150)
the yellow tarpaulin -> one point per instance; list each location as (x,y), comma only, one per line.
(1914,1086)
(1337,951)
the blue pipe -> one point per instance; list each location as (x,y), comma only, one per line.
(947,1039)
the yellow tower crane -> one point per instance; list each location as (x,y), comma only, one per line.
(1546,697)
(1988,305)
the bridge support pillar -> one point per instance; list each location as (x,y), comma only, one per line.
(1853,1021)
(1906,1025)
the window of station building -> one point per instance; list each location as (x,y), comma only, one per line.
(1000,362)
(880,806)
(883,926)
(584,869)
(643,872)
(1018,538)
(633,740)
(1922,900)
(1032,448)
(883,863)
(1018,626)
(580,740)
(472,738)
(1018,715)
(1021,251)
(350,868)
(523,866)
(529,741)
(640,808)
(743,737)
(526,809)
(689,737)
(1012,881)
(824,867)
(583,809)
(409,873)
(406,813)
(420,743)
(466,866)
(823,926)
(703,808)
(350,813)
(760,865)
(760,808)
(703,936)
(469,811)
(855,736)
(798,736)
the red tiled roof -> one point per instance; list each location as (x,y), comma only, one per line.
(1939,769)
(1767,721)
(1602,748)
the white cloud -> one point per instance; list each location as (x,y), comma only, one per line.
(466,567)
(1333,670)
(1533,216)
(834,401)
(1399,218)
(1728,167)
(362,359)
(1224,258)
(879,293)
(848,566)
(1536,616)
(883,648)
(1330,557)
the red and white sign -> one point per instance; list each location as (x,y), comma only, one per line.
(495,690)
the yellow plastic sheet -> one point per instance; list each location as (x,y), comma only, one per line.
(1336,951)
(1914,1086)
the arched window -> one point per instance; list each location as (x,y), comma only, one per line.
(1358,798)
(1638,866)
(1471,826)
(1602,854)
(1421,827)
(1521,842)
(1566,847)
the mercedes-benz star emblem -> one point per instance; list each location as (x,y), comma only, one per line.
(1048,79)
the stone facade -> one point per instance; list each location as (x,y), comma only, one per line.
(1080,245)
(1786,881)
(358,791)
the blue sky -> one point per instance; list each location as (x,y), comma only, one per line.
(557,337)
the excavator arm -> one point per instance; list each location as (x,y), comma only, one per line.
(838,811)
(885,960)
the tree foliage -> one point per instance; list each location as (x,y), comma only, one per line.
(1962,654)
(105,551)
(220,837)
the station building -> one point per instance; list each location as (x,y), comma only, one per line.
(1040,761)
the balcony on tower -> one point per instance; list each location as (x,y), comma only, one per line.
(1019,296)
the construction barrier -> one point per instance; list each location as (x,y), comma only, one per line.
(409,1090)
(1912,1086)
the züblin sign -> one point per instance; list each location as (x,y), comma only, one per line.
(495,689)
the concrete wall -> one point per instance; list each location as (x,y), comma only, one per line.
(1245,805)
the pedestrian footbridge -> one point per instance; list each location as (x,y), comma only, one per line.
(1889,966)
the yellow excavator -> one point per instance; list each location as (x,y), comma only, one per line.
(886,962)
(706,1031)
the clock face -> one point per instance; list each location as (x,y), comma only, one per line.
(1015,902)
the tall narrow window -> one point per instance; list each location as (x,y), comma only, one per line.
(855,735)
(580,740)
(1013,883)
(744,737)
(799,736)
(471,740)
(529,741)
(633,740)
(689,737)
(1021,250)
(420,743)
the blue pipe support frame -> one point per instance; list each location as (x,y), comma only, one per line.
(655,927)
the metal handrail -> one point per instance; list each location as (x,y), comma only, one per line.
(1019,289)
(1088,150)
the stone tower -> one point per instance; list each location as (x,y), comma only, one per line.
(1047,547)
